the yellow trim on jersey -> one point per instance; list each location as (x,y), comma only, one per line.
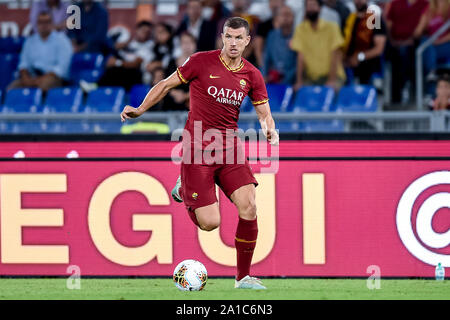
(228,68)
(260,102)
(246,241)
(181,76)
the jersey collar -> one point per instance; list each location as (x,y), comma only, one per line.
(241,65)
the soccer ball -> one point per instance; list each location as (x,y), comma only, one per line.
(190,275)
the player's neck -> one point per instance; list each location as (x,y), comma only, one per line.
(231,63)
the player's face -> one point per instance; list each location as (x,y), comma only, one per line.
(235,41)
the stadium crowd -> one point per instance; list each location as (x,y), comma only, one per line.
(298,43)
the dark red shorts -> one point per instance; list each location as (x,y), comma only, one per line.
(198,182)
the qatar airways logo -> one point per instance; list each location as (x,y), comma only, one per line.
(226,96)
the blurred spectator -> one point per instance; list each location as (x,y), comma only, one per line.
(126,68)
(92,36)
(203,30)
(180,94)
(176,100)
(45,57)
(364,43)
(402,19)
(263,29)
(57,10)
(163,49)
(215,11)
(437,14)
(318,44)
(240,9)
(279,59)
(329,14)
(340,8)
(442,100)
(188,47)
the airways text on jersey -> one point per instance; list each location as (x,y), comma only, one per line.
(226,96)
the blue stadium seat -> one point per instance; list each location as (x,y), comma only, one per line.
(245,125)
(279,96)
(88,75)
(323,126)
(138,93)
(357,98)
(86,66)
(8,67)
(28,127)
(66,99)
(11,44)
(106,127)
(5,127)
(23,100)
(246,105)
(289,127)
(105,99)
(69,126)
(313,99)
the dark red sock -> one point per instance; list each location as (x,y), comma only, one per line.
(245,242)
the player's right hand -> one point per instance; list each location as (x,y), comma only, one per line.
(272,137)
(129,113)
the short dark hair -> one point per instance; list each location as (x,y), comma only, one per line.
(444,77)
(236,23)
(144,23)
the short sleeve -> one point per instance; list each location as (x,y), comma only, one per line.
(258,92)
(188,70)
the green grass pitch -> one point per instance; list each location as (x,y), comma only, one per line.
(222,289)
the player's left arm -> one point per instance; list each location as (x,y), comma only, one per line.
(267,122)
(156,94)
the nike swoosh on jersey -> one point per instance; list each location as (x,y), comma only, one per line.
(213,77)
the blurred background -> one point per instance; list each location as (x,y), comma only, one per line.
(330,66)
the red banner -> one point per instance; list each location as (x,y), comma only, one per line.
(122,149)
(316,218)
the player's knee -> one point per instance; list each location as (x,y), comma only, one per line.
(209,225)
(248,211)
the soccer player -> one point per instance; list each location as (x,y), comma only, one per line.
(219,80)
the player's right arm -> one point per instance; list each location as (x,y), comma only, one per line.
(156,94)
(267,122)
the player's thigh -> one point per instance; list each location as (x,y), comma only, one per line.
(197,185)
(208,217)
(238,184)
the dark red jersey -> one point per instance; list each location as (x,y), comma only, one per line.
(217,91)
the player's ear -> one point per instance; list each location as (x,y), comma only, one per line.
(247,40)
